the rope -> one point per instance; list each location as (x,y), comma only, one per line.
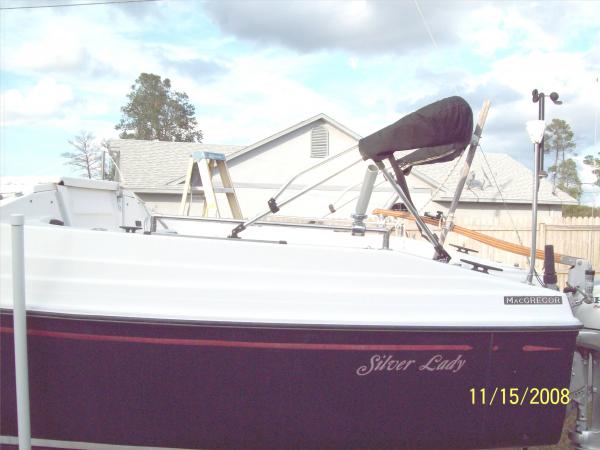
(475,235)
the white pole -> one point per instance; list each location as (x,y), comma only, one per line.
(20,330)
(596,113)
(536,184)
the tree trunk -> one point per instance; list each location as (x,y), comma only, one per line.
(87,166)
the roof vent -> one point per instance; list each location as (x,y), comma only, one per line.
(319,142)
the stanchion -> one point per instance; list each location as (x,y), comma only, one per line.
(20,330)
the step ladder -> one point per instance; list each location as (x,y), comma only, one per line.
(198,178)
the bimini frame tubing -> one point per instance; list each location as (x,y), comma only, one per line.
(465,170)
(440,253)
(275,207)
(439,131)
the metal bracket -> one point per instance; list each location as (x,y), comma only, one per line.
(273,205)
(237,230)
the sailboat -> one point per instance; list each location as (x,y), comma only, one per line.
(142,336)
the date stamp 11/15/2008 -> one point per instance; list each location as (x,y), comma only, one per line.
(514,396)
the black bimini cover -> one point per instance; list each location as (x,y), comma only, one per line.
(440,131)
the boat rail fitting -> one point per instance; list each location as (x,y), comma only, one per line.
(366,190)
(17,222)
(440,253)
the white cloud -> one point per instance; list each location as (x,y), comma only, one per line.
(254,99)
(486,30)
(356,26)
(59,50)
(45,100)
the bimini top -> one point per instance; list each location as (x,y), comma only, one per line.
(440,131)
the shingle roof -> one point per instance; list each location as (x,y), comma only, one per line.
(513,178)
(153,165)
(159,166)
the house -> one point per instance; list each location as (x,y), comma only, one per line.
(155,171)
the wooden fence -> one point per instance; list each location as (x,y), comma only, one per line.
(573,236)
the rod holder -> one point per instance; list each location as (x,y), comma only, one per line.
(360,214)
(550,278)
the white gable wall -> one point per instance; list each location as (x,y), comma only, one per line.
(278,160)
(259,173)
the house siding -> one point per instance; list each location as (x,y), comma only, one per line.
(259,170)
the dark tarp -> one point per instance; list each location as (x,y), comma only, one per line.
(440,131)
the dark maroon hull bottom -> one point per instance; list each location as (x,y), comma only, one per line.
(208,386)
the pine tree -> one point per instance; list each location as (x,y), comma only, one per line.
(156,112)
(595,163)
(558,139)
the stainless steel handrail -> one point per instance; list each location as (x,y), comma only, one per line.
(155,218)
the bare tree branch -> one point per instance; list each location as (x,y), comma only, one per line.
(86,155)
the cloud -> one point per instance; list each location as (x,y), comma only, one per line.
(253,99)
(475,88)
(358,26)
(58,51)
(64,46)
(197,68)
(47,99)
(368,28)
(137,10)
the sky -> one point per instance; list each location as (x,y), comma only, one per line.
(253,68)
